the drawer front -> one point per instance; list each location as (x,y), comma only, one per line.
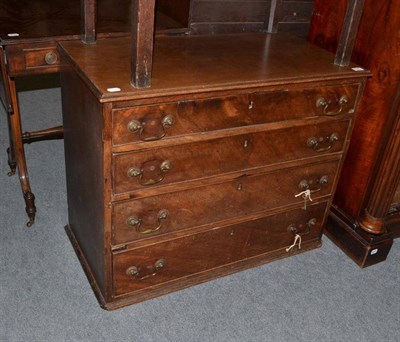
(136,170)
(165,213)
(33,58)
(148,123)
(289,105)
(184,257)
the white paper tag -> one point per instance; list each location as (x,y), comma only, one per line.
(113,90)
(357,69)
(374,251)
(13,34)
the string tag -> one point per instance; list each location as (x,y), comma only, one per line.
(297,239)
(306,195)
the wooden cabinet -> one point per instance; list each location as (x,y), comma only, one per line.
(30,30)
(229,160)
(366,209)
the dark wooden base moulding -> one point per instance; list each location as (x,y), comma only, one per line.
(363,248)
(198,278)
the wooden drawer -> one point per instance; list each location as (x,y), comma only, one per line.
(185,257)
(137,170)
(204,205)
(33,58)
(146,123)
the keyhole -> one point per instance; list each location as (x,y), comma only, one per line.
(239,187)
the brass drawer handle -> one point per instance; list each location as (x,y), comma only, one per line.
(296,229)
(321,144)
(135,271)
(313,186)
(343,101)
(134,221)
(51,58)
(302,228)
(135,126)
(164,168)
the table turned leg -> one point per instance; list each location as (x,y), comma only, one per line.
(12,163)
(45,134)
(16,153)
(6,101)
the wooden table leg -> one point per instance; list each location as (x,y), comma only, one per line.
(16,152)
(6,101)
(45,134)
(12,163)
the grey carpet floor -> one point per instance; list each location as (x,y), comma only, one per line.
(44,295)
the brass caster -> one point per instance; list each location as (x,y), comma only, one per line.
(30,222)
(30,207)
(11,173)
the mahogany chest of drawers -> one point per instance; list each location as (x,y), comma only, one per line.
(229,160)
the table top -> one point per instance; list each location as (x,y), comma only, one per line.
(190,64)
(42,20)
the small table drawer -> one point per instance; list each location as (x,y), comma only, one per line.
(138,170)
(204,205)
(33,58)
(148,123)
(172,260)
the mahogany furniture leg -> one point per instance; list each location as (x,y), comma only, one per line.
(45,134)
(17,151)
(5,99)
(88,24)
(349,32)
(12,163)
(142,42)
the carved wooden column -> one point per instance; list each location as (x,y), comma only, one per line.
(372,220)
(88,21)
(142,42)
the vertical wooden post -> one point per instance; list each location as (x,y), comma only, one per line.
(274,15)
(4,89)
(88,21)
(349,32)
(142,42)
(372,220)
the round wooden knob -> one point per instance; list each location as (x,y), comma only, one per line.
(51,58)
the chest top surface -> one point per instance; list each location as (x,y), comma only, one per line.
(193,64)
